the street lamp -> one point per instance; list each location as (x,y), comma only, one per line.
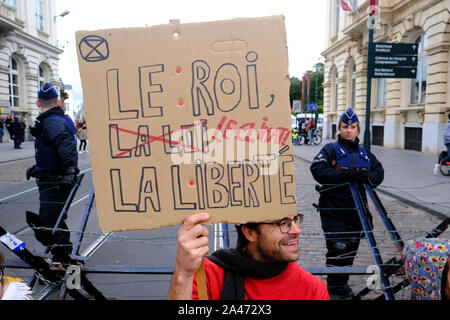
(64,13)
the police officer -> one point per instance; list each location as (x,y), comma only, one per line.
(336,164)
(56,166)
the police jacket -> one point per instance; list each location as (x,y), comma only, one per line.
(55,144)
(334,164)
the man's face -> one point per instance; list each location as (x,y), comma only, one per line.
(274,246)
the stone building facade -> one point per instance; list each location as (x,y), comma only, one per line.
(28,54)
(405,113)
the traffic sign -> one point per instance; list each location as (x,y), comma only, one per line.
(375,72)
(385,60)
(394,48)
(297,106)
(392,60)
(312,107)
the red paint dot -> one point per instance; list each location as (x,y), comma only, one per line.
(191,183)
(178,70)
(180,102)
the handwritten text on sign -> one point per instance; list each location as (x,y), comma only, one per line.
(176,133)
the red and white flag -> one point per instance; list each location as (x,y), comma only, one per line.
(345,6)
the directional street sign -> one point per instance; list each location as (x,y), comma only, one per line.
(392,60)
(384,60)
(394,48)
(393,73)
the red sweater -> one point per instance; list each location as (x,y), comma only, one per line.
(293,284)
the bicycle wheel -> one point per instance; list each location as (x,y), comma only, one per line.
(301,140)
(445,170)
(317,139)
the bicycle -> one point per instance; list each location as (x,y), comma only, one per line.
(316,137)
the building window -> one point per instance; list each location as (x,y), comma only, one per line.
(381,92)
(336,16)
(353,86)
(40,15)
(335,90)
(419,84)
(378,135)
(13,79)
(41,77)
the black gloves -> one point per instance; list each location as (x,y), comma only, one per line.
(30,172)
(35,128)
(360,176)
(69,178)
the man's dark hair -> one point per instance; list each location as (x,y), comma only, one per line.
(242,240)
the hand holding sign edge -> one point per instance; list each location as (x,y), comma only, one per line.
(192,246)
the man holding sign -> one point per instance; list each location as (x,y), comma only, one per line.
(262,267)
(196,118)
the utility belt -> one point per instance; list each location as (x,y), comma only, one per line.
(47,176)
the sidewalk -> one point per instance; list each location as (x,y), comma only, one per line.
(9,154)
(408,176)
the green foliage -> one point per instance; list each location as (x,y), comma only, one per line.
(295,91)
(316,96)
(317,79)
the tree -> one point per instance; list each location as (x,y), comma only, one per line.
(316,96)
(317,78)
(295,90)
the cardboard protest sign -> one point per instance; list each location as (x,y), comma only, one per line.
(187,118)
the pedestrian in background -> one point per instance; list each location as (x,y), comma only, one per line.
(82,135)
(334,166)
(56,166)
(8,126)
(309,131)
(306,126)
(16,131)
(447,145)
(23,126)
(1,129)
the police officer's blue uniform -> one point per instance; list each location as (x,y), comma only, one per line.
(335,165)
(56,168)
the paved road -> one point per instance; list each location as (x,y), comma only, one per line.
(158,248)
(408,177)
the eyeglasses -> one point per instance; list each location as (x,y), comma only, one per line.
(285,225)
(1,273)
